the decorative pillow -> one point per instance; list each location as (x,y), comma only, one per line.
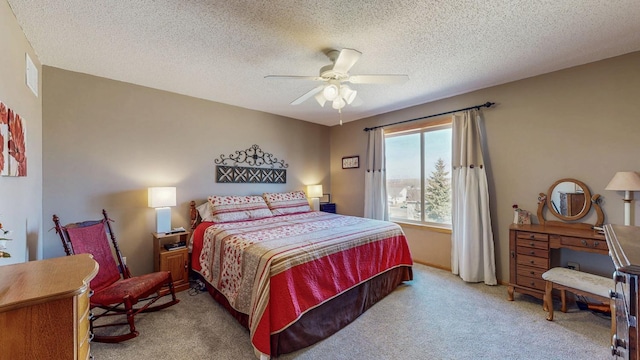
(205,212)
(238,208)
(287,203)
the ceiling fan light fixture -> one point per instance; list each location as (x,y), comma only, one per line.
(338,103)
(320,99)
(331,92)
(347,94)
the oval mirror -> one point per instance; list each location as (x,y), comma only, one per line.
(569,199)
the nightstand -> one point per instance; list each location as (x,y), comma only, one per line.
(328,207)
(176,260)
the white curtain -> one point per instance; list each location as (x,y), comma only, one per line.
(472,252)
(375,182)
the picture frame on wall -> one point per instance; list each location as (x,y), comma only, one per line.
(351,162)
(13,153)
(4,140)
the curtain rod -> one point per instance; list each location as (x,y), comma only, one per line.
(487,104)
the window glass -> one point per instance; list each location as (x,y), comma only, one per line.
(437,176)
(403,176)
(419,175)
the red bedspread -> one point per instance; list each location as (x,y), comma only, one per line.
(278,268)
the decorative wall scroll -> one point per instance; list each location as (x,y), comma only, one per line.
(13,153)
(228,171)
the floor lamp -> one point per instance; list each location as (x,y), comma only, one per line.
(627,181)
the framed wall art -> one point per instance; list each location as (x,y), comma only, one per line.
(13,152)
(351,162)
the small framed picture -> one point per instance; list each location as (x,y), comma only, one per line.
(351,162)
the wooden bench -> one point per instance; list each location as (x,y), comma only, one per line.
(576,282)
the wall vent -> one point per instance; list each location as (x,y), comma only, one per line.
(32,76)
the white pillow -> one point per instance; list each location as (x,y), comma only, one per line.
(205,212)
(291,202)
(238,208)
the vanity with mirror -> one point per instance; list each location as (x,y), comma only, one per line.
(531,246)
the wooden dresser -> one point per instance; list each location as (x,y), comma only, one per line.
(530,249)
(44,308)
(624,242)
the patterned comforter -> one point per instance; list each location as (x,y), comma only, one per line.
(275,269)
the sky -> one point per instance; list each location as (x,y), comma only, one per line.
(403,153)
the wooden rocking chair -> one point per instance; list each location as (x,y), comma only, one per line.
(115,292)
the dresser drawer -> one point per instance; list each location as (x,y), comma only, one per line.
(83,325)
(543,253)
(83,351)
(531,282)
(584,243)
(543,245)
(539,262)
(530,271)
(83,303)
(532,236)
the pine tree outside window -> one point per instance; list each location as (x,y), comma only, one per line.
(418,164)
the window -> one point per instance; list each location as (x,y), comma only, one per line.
(419,175)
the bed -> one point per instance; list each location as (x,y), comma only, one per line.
(293,276)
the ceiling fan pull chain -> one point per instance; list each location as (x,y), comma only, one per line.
(340,114)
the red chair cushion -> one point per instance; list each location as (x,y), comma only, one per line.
(93,240)
(137,288)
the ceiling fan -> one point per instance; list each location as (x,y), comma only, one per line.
(335,75)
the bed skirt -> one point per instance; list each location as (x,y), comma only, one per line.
(325,320)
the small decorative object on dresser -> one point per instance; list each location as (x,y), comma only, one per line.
(520,216)
(351,162)
(5,235)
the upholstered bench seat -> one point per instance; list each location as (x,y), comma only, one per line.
(576,282)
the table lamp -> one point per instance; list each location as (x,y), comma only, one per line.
(161,198)
(314,192)
(627,181)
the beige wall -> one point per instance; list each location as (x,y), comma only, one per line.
(106,141)
(580,123)
(21,197)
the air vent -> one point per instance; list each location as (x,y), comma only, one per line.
(32,76)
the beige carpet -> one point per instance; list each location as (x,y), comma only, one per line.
(435,316)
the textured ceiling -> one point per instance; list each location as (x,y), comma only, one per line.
(221,50)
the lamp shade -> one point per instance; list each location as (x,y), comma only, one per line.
(624,181)
(347,94)
(314,191)
(338,103)
(331,92)
(320,99)
(162,196)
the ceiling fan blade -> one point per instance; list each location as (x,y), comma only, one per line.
(378,79)
(294,77)
(308,95)
(346,60)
